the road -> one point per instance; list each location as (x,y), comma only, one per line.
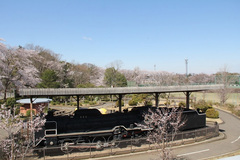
(230,127)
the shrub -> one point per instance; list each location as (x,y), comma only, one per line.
(17,111)
(29,111)
(53,103)
(148,103)
(75,104)
(122,103)
(230,107)
(86,101)
(2,101)
(167,103)
(92,102)
(238,113)
(45,110)
(182,104)
(140,97)
(10,102)
(132,102)
(212,113)
(203,106)
(163,95)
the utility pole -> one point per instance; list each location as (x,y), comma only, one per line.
(186,61)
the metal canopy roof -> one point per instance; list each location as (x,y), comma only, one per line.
(115,91)
(35,101)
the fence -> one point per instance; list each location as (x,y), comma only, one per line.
(124,146)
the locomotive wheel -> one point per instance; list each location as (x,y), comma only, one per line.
(65,146)
(84,146)
(99,142)
(113,142)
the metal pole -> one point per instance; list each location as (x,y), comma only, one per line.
(120,103)
(77,102)
(187,99)
(156,99)
(186,61)
(31,119)
(31,109)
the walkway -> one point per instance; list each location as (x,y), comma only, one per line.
(230,127)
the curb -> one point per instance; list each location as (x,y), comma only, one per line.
(228,112)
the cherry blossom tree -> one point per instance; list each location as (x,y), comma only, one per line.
(44,59)
(164,124)
(16,69)
(201,78)
(19,139)
(225,78)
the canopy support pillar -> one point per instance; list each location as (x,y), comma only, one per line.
(157,99)
(31,108)
(187,98)
(120,103)
(77,102)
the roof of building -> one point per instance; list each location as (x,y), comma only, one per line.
(114,91)
(35,100)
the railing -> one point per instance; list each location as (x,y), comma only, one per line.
(234,86)
(172,84)
(88,150)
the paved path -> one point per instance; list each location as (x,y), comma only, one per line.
(230,127)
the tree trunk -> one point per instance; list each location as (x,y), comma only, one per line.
(5,95)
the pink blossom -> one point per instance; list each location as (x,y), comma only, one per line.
(20,134)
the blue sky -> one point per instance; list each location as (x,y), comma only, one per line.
(140,33)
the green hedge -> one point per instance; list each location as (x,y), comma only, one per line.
(182,104)
(238,113)
(148,103)
(133,102)
(122,103)
(203,106)
(212,113)
(28,113)
(92,102)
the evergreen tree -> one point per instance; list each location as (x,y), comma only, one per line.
(114,78)
(49,80)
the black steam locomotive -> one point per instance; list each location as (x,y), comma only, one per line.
(89,128)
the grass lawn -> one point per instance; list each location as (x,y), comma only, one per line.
(234,98)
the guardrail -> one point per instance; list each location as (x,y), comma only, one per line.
(124,146)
